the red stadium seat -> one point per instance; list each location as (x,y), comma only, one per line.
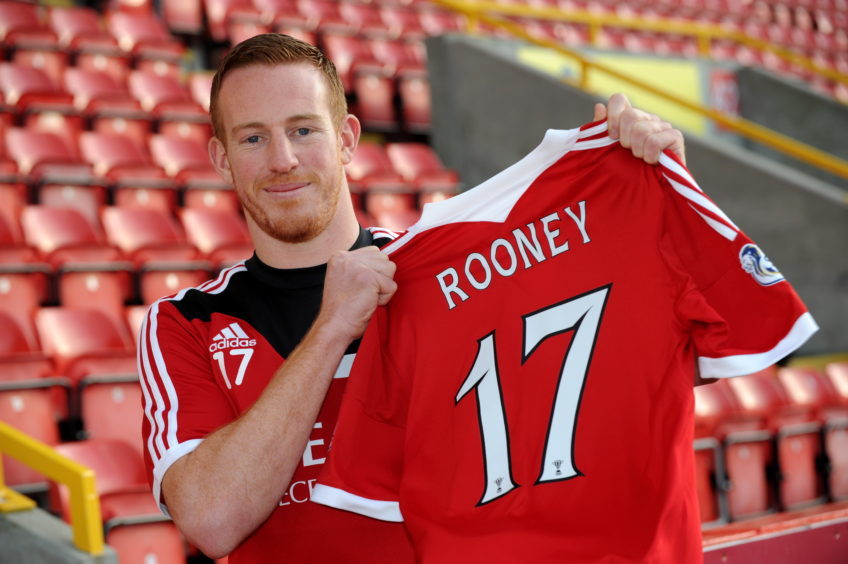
(40,154)
(110,408)
(20,359)
(187,161)
(145,36)
(399,57)
(373,179)
(107,103)
(200,86)
(41,50)
(415,102)
(31,410)
(217,196)
(103,289)
(183,16)
(795,432)
(396,219)
(28,88)
(741,486)
(16,17)
(811,387)
(402,21)
(146,235)
(66,125)
(61,178)
(171,103)
(375,94)
(326,16)
(164,279)
(837,373)
(366,18)
(155,240)
(84,342)
(244,26)
(221,236)
(64,235)
(13,251)
(714,407)
(73,22)
(23,366)
(117,466)
(419,164)
(82,31)
(136,180)
(142,540)
(32,43)
(135,315)
(296,26)
(135,527)
(219,12)
(348,53)
(22,291)
(370,168)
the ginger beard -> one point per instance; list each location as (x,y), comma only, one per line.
(293,220)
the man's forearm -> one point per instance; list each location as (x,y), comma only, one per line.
(227,487)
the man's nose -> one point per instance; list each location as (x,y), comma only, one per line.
(282,157)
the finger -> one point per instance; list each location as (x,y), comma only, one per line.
(617,105)
(387,290)
(635,125)
(655,138)
(600,112)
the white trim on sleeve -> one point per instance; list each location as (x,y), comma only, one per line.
(742,364)
(161,466)
(340,499)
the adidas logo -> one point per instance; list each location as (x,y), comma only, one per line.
(232,336)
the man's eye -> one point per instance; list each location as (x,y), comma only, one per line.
(252,139)
(303,131)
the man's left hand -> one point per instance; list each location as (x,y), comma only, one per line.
(645,134)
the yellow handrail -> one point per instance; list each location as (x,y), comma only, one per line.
(782,143)
(86,521)
(703,32)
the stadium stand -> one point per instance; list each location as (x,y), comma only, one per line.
(108,202)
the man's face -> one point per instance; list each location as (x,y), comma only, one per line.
(282,151)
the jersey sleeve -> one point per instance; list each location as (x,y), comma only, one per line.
(363,469)
(181,403)
(744,315)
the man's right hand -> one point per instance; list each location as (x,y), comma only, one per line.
(356,283)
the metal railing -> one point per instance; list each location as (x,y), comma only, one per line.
(497,15)
(86,523)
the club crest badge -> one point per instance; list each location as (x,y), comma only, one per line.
(758,265)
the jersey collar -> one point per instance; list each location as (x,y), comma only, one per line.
(292,278)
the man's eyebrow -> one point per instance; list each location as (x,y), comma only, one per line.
(247,125)
(259,125)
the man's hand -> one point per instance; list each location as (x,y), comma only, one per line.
(356,283)
(643,133)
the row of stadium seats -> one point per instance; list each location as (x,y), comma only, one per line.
(48,36)
(128,75)
(773,441)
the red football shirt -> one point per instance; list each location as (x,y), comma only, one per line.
(205,356)
(526,396)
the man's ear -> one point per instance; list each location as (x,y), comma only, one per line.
(218,156)
(349,133)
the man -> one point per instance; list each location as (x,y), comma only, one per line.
(242,376)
